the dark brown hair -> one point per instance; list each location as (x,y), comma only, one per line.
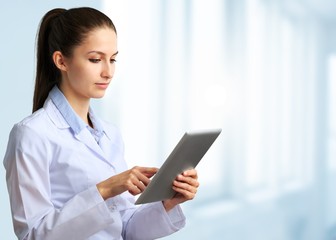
(61,30)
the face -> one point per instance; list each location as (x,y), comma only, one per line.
(88,72)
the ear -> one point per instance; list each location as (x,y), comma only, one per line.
(59,60)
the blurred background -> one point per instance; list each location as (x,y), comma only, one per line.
(262,70)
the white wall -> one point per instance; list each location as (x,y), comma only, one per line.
(258,69)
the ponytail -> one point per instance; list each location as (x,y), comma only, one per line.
(47,75)
(61,30)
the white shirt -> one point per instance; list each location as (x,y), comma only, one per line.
(53,163)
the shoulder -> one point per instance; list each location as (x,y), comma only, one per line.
(29,129)
(33,136)
(34,127)
(36,122)
(25,139)
(43,120)
(32,120)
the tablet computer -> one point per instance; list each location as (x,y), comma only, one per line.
(186,155)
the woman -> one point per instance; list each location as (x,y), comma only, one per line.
(65,171)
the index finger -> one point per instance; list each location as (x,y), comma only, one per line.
(148,171)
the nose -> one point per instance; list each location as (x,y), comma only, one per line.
(107,71)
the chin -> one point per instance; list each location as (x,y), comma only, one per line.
(98,95)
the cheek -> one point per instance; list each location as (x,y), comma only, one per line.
(78,74)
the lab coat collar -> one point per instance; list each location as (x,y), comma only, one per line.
(54,115)
(83,135)
(70,116)
(63,106)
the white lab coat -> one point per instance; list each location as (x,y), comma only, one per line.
(52,173)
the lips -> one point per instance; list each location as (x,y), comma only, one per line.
(102,85)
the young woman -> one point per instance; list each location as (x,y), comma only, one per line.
(65,171)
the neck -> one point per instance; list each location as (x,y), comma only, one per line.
(82,109)
(79,105)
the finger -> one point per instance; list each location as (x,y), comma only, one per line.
(139,176)
(134,190)
(150,172)
(139,181)
(140,185)
(185,186)
(147,171)
(185,193)
(190,173)
(132,181)
(142,180)
(190,180)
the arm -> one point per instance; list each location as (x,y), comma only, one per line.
(151,221)
(27,163)
(160,219)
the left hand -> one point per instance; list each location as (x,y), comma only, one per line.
(185,186)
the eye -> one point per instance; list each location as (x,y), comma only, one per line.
(94,60)
(112,60)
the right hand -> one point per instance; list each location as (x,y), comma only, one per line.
(134,180)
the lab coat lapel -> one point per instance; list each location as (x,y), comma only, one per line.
(110,149)
(85,137)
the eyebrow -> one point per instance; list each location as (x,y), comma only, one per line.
(102,53)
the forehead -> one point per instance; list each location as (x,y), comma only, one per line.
(100,39)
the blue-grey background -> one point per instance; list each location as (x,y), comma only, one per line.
(262,70)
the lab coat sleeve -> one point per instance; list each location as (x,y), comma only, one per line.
(152,221)
(34,216)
